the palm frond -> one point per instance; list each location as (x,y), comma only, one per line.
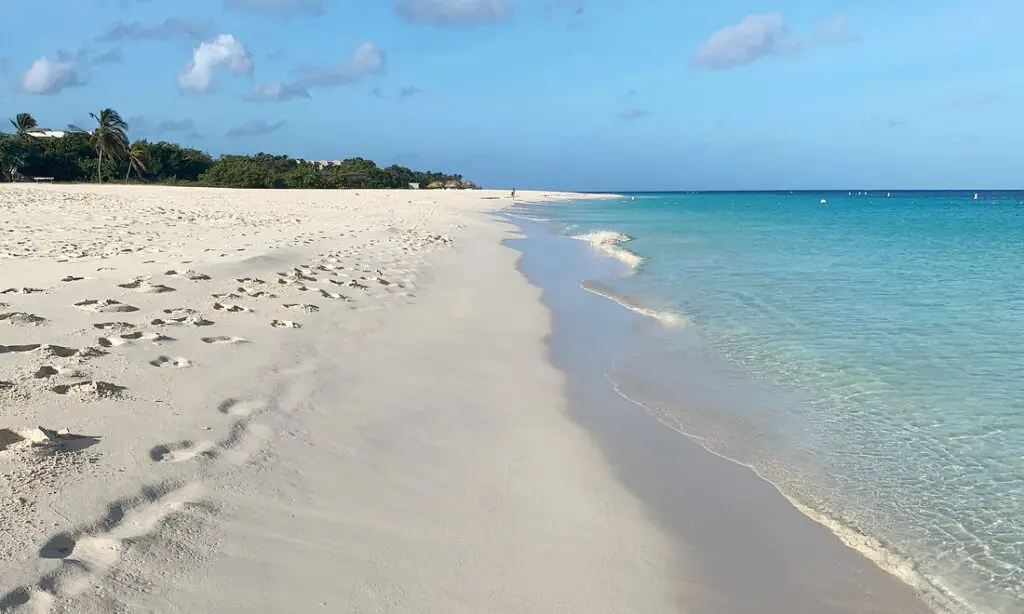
(24,122)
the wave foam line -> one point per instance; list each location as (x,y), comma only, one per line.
(665,317)
(610,242)
(935,593)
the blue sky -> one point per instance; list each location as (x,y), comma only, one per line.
(569,94)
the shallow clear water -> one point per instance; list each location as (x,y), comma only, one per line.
(867,354)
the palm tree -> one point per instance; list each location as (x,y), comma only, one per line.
(23,122)
(135,161)
(110,137)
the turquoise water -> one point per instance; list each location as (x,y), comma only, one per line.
(868,358)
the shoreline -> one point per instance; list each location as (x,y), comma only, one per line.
(635,316)
(671,405)
(308,405)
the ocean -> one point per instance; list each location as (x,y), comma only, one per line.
(860,351)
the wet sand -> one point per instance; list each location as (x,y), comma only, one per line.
(743,547)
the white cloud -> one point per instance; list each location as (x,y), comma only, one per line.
(454,12)
(255,127)
(277,92)
(168,29)
(368,59)
(759,36)
(225,51)
(47,76)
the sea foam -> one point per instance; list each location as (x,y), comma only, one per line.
(610,242)
(624,300)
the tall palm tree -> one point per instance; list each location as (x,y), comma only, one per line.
(135,162)
(110,137)
(23,122)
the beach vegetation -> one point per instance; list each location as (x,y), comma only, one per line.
(107,154)
(110,137)
(135,162)
(23,123)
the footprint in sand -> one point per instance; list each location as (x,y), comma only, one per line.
(285,324)
(21,318)
(182,451)
(44,349)
(298,275)
(251,293)
(112,342)
(188,274)
(90,390)
(192,320)
(247,440)
(231,296)
(250,280)
(181,311)
(98,546)
(334,296)
(228,307)
(91,352)
(105,306)
(174,363)
(145,286)
(71,278)
(45,371)
(126,338)
(305,308)
(22,291)
(241,409)
(147,336)
(117,327)
(224,340)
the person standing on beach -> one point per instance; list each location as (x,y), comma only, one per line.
(513,193)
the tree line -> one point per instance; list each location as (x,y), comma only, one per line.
(105,154)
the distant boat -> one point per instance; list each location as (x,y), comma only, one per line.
(824,202)
(975,196)
(888,194)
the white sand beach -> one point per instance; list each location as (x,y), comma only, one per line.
(274,401)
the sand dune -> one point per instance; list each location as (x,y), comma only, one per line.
(293,401)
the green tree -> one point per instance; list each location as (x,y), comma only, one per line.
(80,155)
(171,162)
(12,155)
(135,156)
(68,158)
(110,138)
(23,122)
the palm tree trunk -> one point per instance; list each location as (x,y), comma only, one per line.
(99,167)
(128,174)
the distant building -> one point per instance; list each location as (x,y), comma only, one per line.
(46,133)
(322,163)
